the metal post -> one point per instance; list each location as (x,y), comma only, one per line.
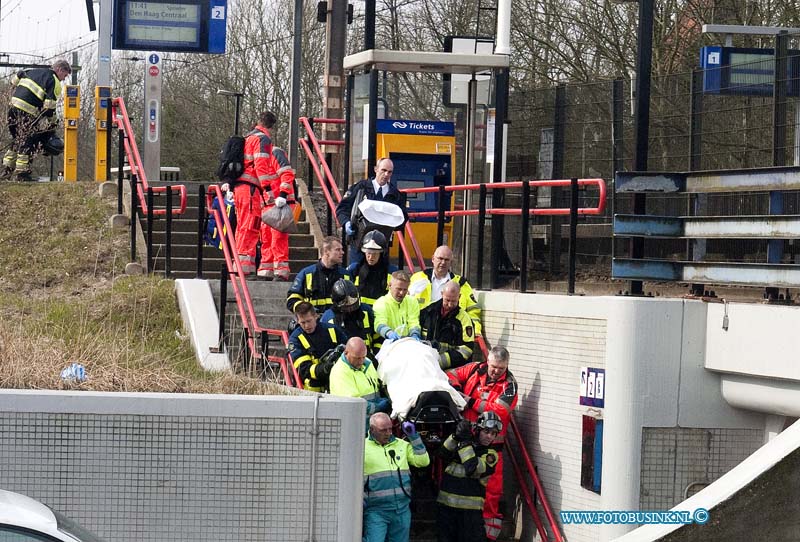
(498,199)
(481,230)
(223,301)
(134,218)
(524,237)
(559,127)
(348,104)
(201,222)
(372,122)
(440,206)
(168,240)
(297,71)
(573,233)
(779,119)
(641,123)
(120,173)
(369,24)
(617,145)
(150,263)
(237,112)
(696,248)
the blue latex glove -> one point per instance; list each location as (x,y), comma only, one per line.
(392,336)
(415,336)
(348,227)
(409,429)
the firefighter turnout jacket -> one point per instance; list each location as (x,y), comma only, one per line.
(372,281)
(358,323)
(469,466)
(36,90)
(387,477)
(314,284)
(306,349)
(451,334)
(421,289)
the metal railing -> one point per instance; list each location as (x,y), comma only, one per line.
(244,301)
(128,150)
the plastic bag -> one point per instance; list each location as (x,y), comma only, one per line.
(279,218)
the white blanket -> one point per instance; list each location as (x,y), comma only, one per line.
(408,368)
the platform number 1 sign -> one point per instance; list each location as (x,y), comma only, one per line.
(593,387)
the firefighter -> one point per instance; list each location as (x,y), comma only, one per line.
(278,191)
(247,190)
(448,328)
(354,375)
(489,387)
(470,462)
(31,115)
(397,313)
(355,318)
(427,285)
(312,348)
(387,479)
(372,274)
(315,282)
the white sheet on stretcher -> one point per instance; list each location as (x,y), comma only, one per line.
(408,368)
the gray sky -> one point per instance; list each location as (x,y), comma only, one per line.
(43,28)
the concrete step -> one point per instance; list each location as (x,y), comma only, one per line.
(189,263)
(184,224)
(297,240)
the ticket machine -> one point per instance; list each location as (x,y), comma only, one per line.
(423,153)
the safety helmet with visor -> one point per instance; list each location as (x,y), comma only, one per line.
(345,296)
(374,240)
(490,421)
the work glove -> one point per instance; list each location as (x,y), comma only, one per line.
(409,429)
(435,345)
(416,337)
(392,335)
(280,202)
(463,431)
(348,227)
(383,405)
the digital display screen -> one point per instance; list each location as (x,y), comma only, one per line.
(749,69)
(416,196)
(170,25)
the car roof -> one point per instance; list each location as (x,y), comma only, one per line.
(22,511)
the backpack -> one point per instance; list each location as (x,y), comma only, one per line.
(231,159)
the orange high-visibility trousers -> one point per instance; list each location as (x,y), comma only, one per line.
(247,201)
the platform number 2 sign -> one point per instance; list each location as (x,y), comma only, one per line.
(593,387)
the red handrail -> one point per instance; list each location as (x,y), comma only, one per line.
(244,302)
(123,123)
(599,209)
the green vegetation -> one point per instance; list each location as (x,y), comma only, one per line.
(64,298)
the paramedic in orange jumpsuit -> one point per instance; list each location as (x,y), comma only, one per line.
(489,387)
(278,190)
(247,197)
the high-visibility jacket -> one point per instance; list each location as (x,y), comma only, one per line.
(453,331)
(358,323)
(280,179)
(258,164)
(372,281)
(36,90)
(421,288)
(347,381)
(402,317)
(468,469)
(387,478)
(314,284)
(499,397)
(306,349)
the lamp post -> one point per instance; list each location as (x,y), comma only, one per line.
(641,117)
(238,97)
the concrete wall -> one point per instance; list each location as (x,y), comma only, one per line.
(653,351)
(161,467)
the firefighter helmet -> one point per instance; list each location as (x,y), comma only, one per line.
(373,240)
(490,421)
(53,146)
(345,296)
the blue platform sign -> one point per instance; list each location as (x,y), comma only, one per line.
(745,71)
(184,26)
(415,127)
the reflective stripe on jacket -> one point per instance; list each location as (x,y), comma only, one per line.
(499,397)
(37,89)
(305,349)
(402,317)
(453,331)
(314,284)
(467,301)
(347,381)
(257,157)
(465,476)
(387,475)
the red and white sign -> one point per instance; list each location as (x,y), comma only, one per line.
(153,70)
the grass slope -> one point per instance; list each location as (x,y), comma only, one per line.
(64,298)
